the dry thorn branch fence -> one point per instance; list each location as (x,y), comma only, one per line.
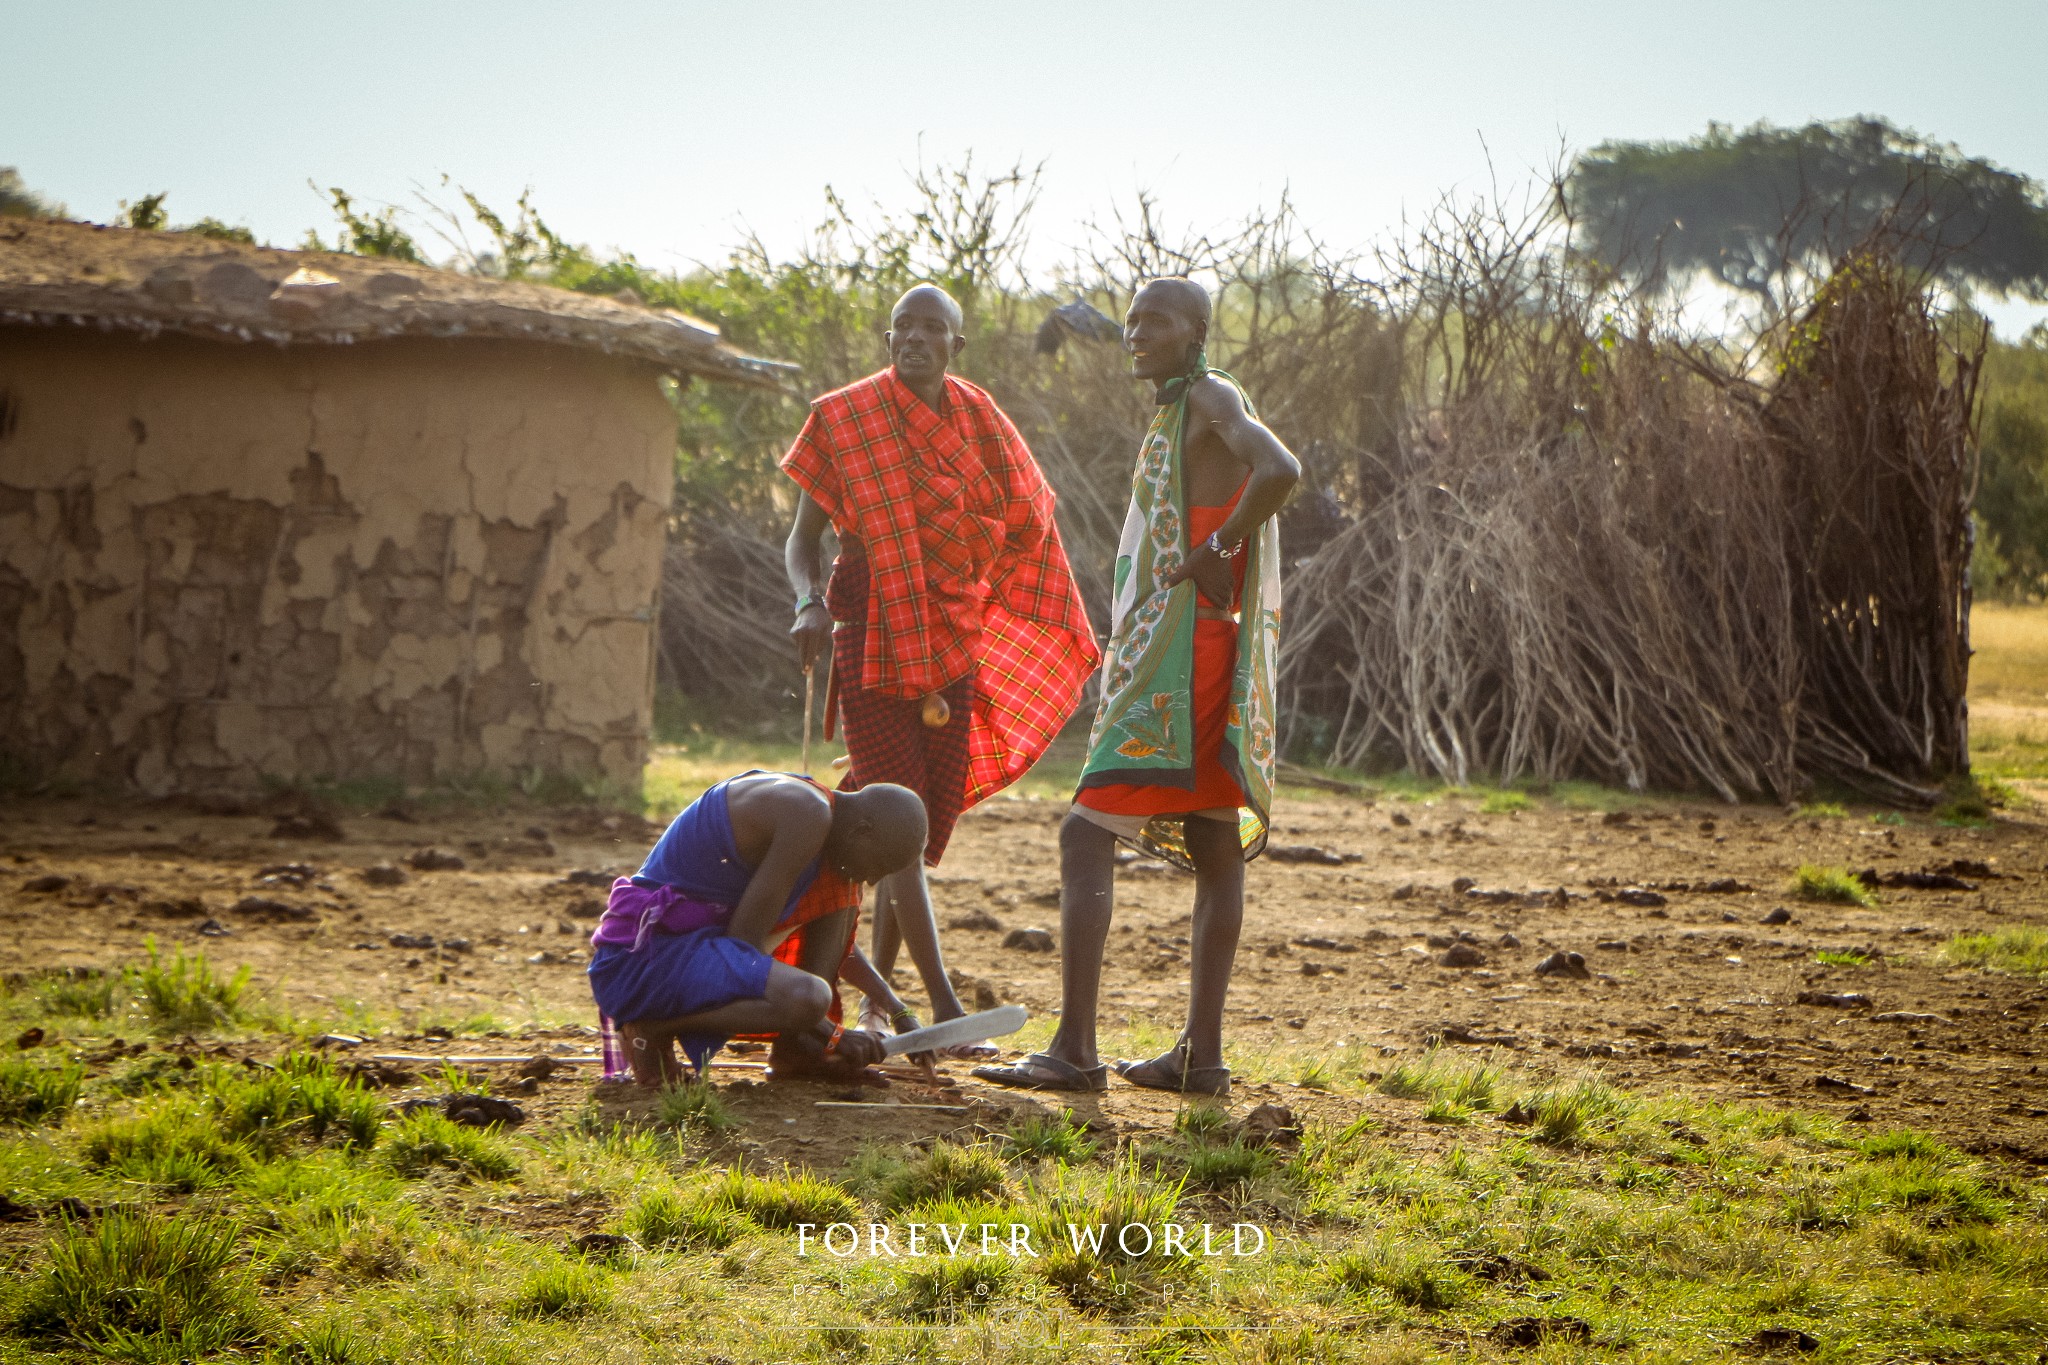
(1542,536)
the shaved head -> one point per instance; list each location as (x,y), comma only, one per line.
(932,294)
(1180,294)
(876,830)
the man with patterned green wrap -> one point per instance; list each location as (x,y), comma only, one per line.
(1180,758)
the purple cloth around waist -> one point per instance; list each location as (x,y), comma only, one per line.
(634,911)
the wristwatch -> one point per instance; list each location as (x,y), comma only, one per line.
(807,601)
(1216,548)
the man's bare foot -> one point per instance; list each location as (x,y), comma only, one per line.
(653,1058)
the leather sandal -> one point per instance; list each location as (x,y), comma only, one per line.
(1160,1073)
(1043,1071)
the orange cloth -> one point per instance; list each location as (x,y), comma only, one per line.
(1215,659)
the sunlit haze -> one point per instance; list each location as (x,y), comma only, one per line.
(670,130)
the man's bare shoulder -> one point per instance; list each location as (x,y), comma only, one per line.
(771,801)
(1211,399)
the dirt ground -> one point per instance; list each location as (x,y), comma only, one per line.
(1343,951)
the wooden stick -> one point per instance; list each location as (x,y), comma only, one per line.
(809,692)
(887,1104)
(474,1061)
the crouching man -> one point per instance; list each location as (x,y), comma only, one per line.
(739,921)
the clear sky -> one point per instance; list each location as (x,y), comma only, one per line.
(670,129)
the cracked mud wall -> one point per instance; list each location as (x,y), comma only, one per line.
(415,559)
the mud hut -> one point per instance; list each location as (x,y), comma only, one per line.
(291,515)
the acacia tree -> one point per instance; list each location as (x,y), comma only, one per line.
(1759,209)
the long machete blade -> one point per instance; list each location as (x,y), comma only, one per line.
(968,1028)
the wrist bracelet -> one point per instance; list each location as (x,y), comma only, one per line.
(808,601)
(1216,548)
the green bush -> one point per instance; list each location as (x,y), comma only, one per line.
(144,1286)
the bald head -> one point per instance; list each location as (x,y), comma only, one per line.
(875,831)
(921,296)
(924,337)
(1179,294)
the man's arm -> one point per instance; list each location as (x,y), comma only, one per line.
(803,558)
(795,820)
(1218,407)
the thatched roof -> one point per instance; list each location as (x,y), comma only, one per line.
(58,273)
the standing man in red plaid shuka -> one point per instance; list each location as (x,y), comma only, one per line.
(962,645)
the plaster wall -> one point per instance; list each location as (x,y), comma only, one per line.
(413,558)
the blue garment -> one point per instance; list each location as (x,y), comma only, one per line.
(676,974)
(698,856)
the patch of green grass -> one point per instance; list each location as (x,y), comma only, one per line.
(143,1286)
(81,993)
(1842,958)
(184,995)
(1504,802)
(1038,1135)
(171,1146)
(1888,817)
(1444,1109)
(302,1094)
(1813,882)
(1969,801)
(1408,1275)
(665,1217)
(783,1201)
(947,1171)
(952,1287)
(33,1093)
(1822,810)
(2022,949)
(563,1289)
(1315,1074)
(693,1107)
(426,1139)
(1229,1166)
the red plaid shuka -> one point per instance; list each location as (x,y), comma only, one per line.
(966,570)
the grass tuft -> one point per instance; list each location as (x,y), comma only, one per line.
(784,1201)
(80,993)
(2022,949)
(565,1289)
(948,1171)
(1408,1276)
(950,1288)
(1822,810)
(1813,882)
(664,1217)
(427,1140)
(1504,803)
(693,1107)
(1038,1135)
(31,1093)
(184,995)
(143,1286)
(172,1147)
(1230,1166)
